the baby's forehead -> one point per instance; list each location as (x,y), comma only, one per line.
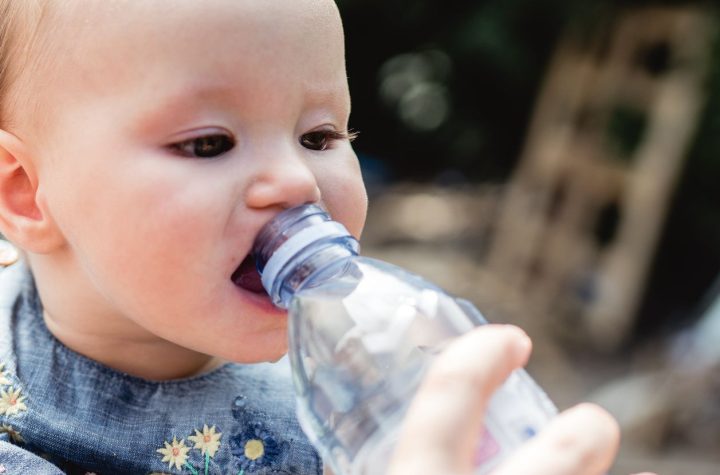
(79,27)
(102,46)
(84,14)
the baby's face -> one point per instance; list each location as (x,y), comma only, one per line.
(174,131)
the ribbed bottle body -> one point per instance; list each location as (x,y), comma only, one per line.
(362,334)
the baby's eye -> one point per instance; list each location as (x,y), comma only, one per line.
(322,139)
(207,146)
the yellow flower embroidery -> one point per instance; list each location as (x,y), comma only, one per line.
(175,453)
(3,376)
(208,441)
(12,432)
(11,402)
(254,449)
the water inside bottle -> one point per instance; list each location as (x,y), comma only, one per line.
(367,340)
(362,335)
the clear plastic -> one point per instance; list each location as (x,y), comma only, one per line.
(362,334)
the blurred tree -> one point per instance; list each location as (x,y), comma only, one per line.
(443,92)
(490,58)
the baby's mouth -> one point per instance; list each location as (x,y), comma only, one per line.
(247,277)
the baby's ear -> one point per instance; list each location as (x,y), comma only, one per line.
(24,219)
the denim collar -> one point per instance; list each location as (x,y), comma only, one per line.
(88,418)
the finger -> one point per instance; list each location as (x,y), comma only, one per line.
(580,441)
(445,417)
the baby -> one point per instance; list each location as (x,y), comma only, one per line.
(143,145)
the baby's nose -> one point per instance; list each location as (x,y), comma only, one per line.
(286,182)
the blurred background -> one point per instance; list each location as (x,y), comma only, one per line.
(557,163)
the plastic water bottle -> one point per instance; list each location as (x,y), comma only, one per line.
(362,334)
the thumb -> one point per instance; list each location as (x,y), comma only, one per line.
(445,418)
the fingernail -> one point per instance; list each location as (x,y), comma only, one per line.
(525,342)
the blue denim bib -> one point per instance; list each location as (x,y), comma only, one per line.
(87,418)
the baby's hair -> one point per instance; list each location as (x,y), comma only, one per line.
(19,25)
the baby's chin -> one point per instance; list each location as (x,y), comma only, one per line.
(217,361)
(277,358)
(266,355)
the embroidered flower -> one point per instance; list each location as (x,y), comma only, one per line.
(11,402)
(208,441)
(12,432)
(4,381)
(175,453)
(255,447)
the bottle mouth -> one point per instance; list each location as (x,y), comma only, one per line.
(290,239)
(281,228)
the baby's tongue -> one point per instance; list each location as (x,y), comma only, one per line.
(247,277)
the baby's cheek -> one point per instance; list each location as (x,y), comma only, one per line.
(344,195)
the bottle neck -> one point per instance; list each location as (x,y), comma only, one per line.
(314,265)
(295,246)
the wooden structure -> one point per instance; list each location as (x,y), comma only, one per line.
(579,223)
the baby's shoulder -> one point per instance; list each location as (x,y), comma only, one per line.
(14,277)
(9,254)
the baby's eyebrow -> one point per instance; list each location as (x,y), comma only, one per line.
(332,93)
(183,103)
(175,100)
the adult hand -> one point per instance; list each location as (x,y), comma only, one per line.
(445,418)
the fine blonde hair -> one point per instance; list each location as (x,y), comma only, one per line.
(19,27)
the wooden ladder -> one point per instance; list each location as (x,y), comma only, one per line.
(582,214)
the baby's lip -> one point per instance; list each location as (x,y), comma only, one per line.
(247,277)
